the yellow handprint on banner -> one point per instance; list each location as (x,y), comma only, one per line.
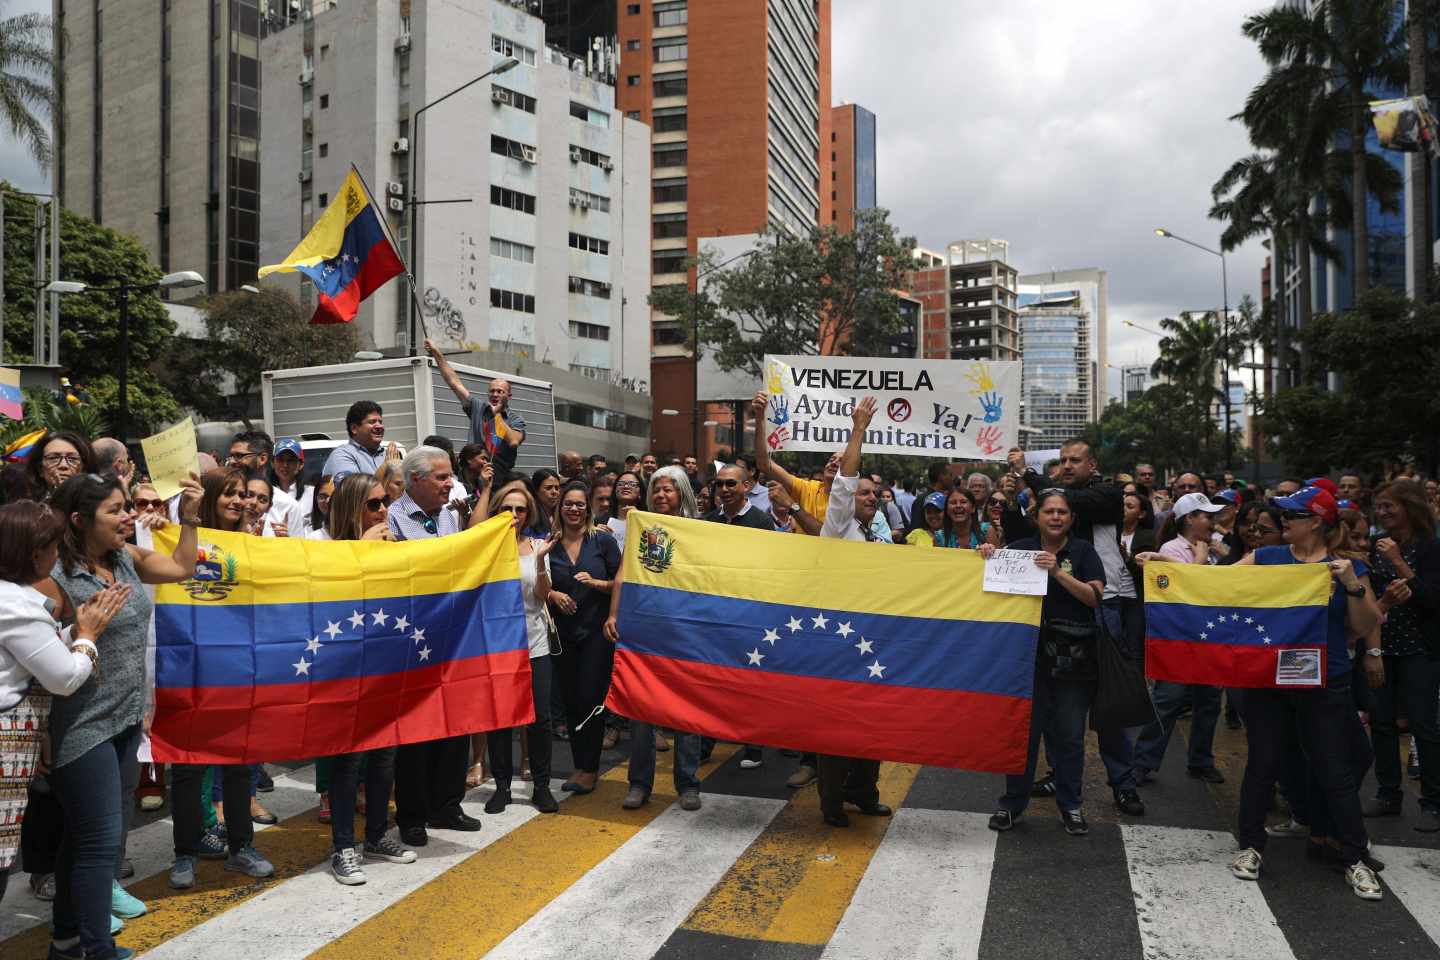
(979,377)
(774,382)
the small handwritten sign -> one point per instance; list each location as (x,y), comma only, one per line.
(171,456)
(1014,571)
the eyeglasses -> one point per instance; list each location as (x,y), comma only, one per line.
(1296,515)
(627,485)
(727,483)
(375,505)
(572,506)
(55,459)
(998,502)
(145,503)
(241,457)
(515,509)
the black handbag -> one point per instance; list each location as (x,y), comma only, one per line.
(1122,698)
(1068,646)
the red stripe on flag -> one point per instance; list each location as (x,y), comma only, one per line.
(299,721)
(1218,664)
(380,265)
(947,728)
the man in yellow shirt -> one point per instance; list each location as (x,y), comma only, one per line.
(810,497)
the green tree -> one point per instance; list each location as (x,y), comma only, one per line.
(799,293)
(27,95)
(1163,426)
(252,333)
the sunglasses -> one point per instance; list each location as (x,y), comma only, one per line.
(375,505)
(145,503)
(429,525)
(727,483)
(1296,515)
(998,502)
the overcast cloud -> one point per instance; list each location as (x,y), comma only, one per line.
(1071,130)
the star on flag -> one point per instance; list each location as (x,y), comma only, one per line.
(820,622)
(401,624)
(771,636)
(357,620)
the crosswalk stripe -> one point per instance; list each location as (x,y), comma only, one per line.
(1170,867)
(152,850)
(303,914)
(487,896)
(1413,875)
(795,880)
(925,892)
(628,904)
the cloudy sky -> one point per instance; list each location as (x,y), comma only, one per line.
(1071,130)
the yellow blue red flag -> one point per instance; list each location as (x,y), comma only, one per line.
(841,648)
(1237,626)
(285,648)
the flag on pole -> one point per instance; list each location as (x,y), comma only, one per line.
(12,401)
(842,648)
(285,649)
(346,254)
(1236,626)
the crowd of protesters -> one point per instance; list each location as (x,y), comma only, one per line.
(76,552)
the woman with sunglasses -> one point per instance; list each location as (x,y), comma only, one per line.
(55,458)
(94,732)
(1325,714)
(1260,526)
(222,507)
(515,500)
(582,574)
(627,498)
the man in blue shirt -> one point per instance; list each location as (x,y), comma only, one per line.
(366,450)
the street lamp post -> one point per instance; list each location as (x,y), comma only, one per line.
(1224,330)
(695,332)
(509,63)
(184,278)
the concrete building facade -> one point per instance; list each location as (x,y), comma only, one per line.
(969,300)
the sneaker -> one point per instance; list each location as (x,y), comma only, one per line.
(151,802)
(1382,808)
(635,798)
(123,905)
(1074,822)
(251,862)
(1208,774)
(43,886)
(1129,803)
(116,925)
(69,951)
(1246,864)
(1428,821)
(1290,829)
(1002,820)
(1044,787)
(212,845)
(1364,882)
(390,850)
(182,875)
(498,801)
(803,776)
(345,864)
(690,800)
(324,815)
(264,783)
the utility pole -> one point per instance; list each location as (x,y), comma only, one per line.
(1420,248)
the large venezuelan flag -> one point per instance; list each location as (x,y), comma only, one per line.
(843,648)
(1228,626)
(346,254)
(12,401)
(287,649)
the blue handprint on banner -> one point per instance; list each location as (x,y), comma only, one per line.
(991,403)
(779,410)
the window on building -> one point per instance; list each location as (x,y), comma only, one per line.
(632,8)
(509,300)
(670,191)
(324,150)
(672,14)
(589,331)
(633,114)
(509,48)
(324,101)
(670,49)
(632,44)
(670,120)
(509,199)
(668,261)
(586,155)
(592,201)
(590,244)
(324,200)
(518,100)
(633,80)
(510,250)
(590,115)
(513,149)
(590,288)
(324,52)
(669,155)
(672,85)
(668,225)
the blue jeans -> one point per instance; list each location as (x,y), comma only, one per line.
(89,790)
(1058,711)
(1170,699)
(344,782)
(1124,617)
(642,758)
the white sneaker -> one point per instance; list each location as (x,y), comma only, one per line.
(1364,882)
(1246,864)
(1294,828)
(345,864)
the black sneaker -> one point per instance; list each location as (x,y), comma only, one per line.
(264,783)
(1002,820)
(1208,774)
(1045,786)
(1130,803)
(1074,822)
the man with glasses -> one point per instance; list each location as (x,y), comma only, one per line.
(1145,476)
(251,450)
(1185,483)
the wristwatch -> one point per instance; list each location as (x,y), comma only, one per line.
(1374,652)
(1359,591)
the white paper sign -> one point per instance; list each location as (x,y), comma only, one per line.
(1036,459)
(1014,571)
(950,409)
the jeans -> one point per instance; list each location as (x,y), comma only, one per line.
(1124,617)
(1412,685)
(1325,719)
(90,789)
(429,780)
(1058,711)
(190,806)
(344,781)
(1170,699)
(846,778)
(584,670)
(537,734)
(642,758)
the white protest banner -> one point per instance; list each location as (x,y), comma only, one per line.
(1014,571)
(956,409)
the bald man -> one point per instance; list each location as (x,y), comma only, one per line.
(492,423)
(572,466)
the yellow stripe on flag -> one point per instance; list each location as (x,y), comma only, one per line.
(325,238)
(1198,585)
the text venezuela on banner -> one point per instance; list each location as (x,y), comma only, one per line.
(287,649)
(826,645)
(1236,626)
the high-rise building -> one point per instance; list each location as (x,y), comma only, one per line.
(852,152)
(533,189)
(737,95)
(1090,288)
(159,130)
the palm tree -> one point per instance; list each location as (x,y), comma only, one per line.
(27,67)
(1328,54)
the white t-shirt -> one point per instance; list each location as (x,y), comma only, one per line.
(535,630)
(287,510)
(321,534)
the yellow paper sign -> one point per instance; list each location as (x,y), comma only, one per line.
(172,455)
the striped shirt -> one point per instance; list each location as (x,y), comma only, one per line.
(408,522)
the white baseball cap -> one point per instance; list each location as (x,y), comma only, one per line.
(1195,501)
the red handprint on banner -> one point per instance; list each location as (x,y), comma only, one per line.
(777,437)
(989,440)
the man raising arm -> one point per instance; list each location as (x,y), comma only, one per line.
(810,496)
(492,423)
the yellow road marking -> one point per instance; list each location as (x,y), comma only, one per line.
(795,881)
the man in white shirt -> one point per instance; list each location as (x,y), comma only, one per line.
(252,450)
(850,516)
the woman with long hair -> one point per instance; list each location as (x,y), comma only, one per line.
(629,492)
(962,525)
(320,510)
(222,507)
(545,488)
(515,500)
(94,732)
(669,495)
(932,531)
(55,458)
(582,572)
(1405,568)
(1325,714)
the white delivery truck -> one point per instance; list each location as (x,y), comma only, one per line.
(310,403)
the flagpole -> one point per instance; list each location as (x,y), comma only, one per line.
(399,252)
